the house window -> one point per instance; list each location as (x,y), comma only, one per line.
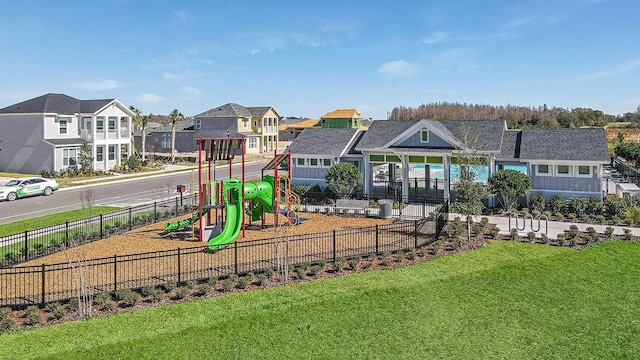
(584,170)
(326,162)
(165,140)
(542,170)
(63,126)
(300,161)
(112,124)
(313,162)
(100,124)
(198,123)
(69,158)
(245,122)
(424,136)
(100,153)
(253,143)
(112,152)
(563,170)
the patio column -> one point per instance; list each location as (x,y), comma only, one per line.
(404,176)
(446,160)
(492,168)
(366,171)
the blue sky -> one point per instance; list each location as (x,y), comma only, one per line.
(306,58)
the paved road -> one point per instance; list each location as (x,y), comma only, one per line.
(121,193)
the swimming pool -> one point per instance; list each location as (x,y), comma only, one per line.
(481,172)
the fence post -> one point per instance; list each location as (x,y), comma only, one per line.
(101,227)
(130,218)
(334,245)
(377,239)
(155,211)
(176,212)
(235,256)
(115,273)
(66,232)
(43,286)
(415,233)
(26,245)
(179,268)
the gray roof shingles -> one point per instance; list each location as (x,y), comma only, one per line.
(324,142)
(510,150)
(230,110)
(57,104)
(258,111)
(382,131)
(579,144)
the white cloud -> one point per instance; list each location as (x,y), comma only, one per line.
(181,15)
(437,37)
(190,90)
(149,98)
(170,76)
(399,68)
(519,22)
(254,51)
(629,66)
(99,85)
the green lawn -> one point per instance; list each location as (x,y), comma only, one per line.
(53,219)
(503,301)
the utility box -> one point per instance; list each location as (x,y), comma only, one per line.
(181,188)
(386,207)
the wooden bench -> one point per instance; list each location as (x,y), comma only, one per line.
(359,207)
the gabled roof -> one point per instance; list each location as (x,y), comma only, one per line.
(230,110)
(324,142)
(260,111)
(307,123)
(342,114)
(579,144)
(382,132)
(56,104)
(184,125)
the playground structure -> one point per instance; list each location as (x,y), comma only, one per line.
(232,198)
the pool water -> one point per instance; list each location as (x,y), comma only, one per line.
(481,172)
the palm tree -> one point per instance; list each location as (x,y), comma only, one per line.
(175,117)
(143,126)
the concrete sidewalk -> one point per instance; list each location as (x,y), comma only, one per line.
(551,228)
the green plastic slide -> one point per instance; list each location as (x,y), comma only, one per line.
(261,196)
(184,223)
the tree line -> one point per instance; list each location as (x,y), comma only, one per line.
(517,117)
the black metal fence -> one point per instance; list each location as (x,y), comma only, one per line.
(20,286)
(32,244)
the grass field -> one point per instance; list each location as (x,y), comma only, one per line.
(53,219)
(503,301)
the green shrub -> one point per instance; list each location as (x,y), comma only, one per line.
(182,293)
(7,324)
(322,264)
(250,276)
(578,206)
(573,231)
(586,218)
(120,294)
(572,216)
(131,298)
(484,221)
(422,252)
(386,259)
(600,219)
(399,256)
(354,262)
(56,310)
(559,216)
(147,290)
(301,273)
(537,202)
(157,295)
(262,280)
(338,264)
(234,277)
(614,207)
(109,305)
(32,315)
(561,239)
(411,255)
(101,298)
(627,234)
(169,286)
(531,236)
(557,204)
(190,284)
(242,283)
(227,285)
(4,312)
(73,305)
(514,234)
(315,270)
(435,248)
(544,238)
(495,232)
(203,290)
(608,232)
(212,281)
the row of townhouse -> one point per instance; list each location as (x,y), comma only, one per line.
(47,132)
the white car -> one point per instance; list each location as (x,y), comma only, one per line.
(24,187)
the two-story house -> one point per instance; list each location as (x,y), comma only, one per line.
(259,125)
(46,133)
(341,119)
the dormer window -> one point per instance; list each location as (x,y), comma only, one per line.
(198,123)
(245,122)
